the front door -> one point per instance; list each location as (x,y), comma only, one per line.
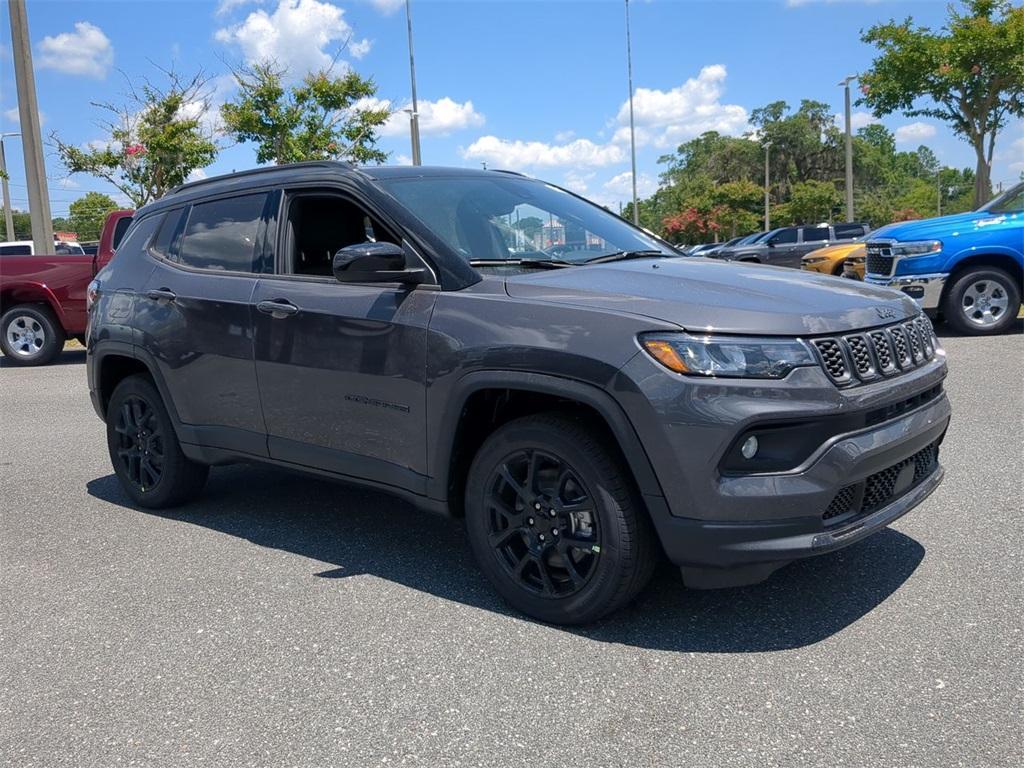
(341,367)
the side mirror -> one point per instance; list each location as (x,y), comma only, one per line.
(375,263)
(770,243)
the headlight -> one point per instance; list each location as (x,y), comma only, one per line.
(815,259)
(917,248)
(727,356)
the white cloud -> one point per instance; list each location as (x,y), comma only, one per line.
(518,154)
(858,120)
(388,6)
(438,118)
(225,7)
(621,185)
(669,117)
(294,35)
(359,48)
(403,160)
(86,51)
(196,174)
(1015,155)
(912,132)
(577,181)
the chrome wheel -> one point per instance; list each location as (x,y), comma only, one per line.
(984,303)
(26,336)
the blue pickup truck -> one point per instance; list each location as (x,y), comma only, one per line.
(968,268)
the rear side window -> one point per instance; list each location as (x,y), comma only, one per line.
(119,229)
(163,243)
(849,231)
(783,237)
(815,234)
(224,234)
(138,236)
(15,250)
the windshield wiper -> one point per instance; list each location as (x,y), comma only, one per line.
(626,255)
(540,263)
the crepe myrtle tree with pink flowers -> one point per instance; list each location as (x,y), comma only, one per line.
(969,75)
(152,142)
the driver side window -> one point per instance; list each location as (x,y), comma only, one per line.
(319,225)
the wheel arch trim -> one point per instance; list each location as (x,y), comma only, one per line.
(570,389)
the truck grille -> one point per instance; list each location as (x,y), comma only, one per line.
(879,489)
(879,259)
(863,357)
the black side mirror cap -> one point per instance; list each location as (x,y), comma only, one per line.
(375,263)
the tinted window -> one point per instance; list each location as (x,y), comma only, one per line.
(223,234)
(15,250)
(784,236)
(1008,202)
(815,234)
(119,229)
(139,235)
(849,231)
(165,238)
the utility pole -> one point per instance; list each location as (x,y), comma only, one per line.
(849,147)
(632,127)
(31,134)
(767,181)
(8,216)
(414,115)
(938,187)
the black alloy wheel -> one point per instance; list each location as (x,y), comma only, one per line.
(140,443)
(542,524)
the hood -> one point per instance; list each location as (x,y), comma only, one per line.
(715,296)
(933,229)
(836,251)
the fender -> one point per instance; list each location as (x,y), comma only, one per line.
(588,394)
(35,293)
(966,255)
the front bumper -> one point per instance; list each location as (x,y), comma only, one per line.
(926,290)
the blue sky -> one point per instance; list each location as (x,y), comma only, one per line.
(534,86)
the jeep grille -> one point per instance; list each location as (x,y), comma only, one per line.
(889,351)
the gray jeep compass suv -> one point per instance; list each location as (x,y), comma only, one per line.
(497,349)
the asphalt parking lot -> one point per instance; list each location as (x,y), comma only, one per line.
(289,621)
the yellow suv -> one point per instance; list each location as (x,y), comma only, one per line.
(831,259)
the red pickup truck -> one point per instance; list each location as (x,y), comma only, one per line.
(42,298)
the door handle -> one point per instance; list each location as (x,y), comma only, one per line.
(278,308)
(161,294)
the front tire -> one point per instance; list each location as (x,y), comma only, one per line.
(982,301)
(554,520)
(30,335)
(144,449)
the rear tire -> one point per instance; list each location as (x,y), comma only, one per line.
(30,335)
(144,449)
(982,301)
(555,522)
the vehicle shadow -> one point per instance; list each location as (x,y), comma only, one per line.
(364,532)
(67,357)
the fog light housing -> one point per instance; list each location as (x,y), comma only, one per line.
(749,448)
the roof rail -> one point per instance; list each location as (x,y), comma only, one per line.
(264,169)
(510,173)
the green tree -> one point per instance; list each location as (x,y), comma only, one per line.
(152,143)
(969,75)
(813,202)
(22,226)
(739,207)
(87,214)
(325,117)
(530,226)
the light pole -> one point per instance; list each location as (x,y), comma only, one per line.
(31,133)
(632,127)
(767,203)
(849,147)
(414,115)
(8,216)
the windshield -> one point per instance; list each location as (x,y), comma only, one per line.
(1010,201)
(513,219)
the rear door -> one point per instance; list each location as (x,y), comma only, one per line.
(195,318)
(341,367)
(781,247)
(811,239)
